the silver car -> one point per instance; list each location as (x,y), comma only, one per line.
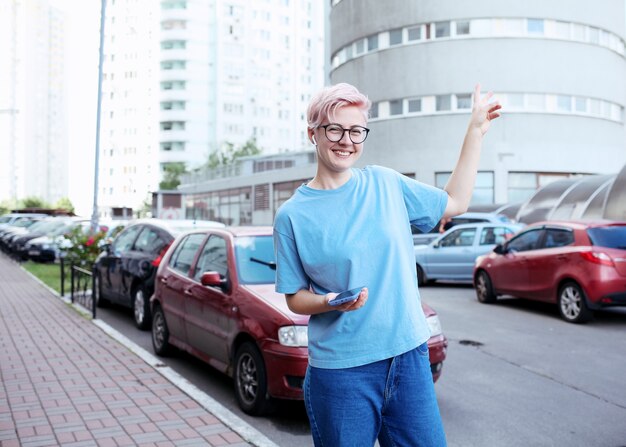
(452,255)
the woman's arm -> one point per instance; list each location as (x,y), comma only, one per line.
(305,302)
(461,183)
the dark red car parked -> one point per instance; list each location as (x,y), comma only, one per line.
(215,298)
(581,266)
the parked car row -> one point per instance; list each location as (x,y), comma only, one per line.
(580,266)
(208,289)
(40,237)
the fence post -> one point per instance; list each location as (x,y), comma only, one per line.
(62,276)
(93,291)
(72,282)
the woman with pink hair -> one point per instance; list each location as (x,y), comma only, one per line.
(349,229)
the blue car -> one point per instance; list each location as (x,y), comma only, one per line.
(452,255)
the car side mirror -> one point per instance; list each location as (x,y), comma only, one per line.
(213,279)
(436,244)
(499,249)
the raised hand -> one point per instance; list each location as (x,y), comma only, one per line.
(483,111)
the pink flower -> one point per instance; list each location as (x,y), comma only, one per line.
(89,242)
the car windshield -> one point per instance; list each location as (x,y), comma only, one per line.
(255,259)
(5,219)
(612,236)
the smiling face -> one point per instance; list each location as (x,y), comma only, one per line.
(338,157)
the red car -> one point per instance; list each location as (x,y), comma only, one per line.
(214,298)
(581,266)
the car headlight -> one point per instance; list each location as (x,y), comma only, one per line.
(293,336)
(434,325)
(45,247)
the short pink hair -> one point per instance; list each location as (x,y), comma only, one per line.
(324,104)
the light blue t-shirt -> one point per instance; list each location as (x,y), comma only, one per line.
(358,235)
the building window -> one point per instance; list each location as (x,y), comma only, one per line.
(415,33)
(464,101)
(372,42)
(444,102)
(374,110)
(463,28)
(173,65)
(173,146)
(173,105)
(415,105)
(172,125)
(173,24)
(180,4)
(564,103)
(535,27)
(483,190)
(442,29)
(395,107)
(395,36)
(173,85)
(173,45)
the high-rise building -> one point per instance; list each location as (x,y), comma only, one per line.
(128,165)
(182,78)
(234,70)
(33,127)
(558,67)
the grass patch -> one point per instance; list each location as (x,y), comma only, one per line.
(49,274)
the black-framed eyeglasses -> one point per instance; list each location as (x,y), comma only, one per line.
(334,133)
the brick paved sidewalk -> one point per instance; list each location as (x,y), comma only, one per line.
(65,382)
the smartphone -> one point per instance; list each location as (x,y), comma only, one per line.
(344,297)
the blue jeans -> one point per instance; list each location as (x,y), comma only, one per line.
(392,400)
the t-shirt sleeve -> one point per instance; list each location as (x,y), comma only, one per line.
(425,204)
(290,275)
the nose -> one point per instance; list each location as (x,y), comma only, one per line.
(345,138)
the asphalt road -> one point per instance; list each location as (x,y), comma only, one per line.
(516,375)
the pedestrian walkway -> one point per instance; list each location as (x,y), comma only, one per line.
(67,383)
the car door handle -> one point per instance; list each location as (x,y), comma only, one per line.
(188,292)
(163,280)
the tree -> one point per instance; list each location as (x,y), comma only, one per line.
(171,175)
(33,202)
(64,203)
(7,205)
(228,153)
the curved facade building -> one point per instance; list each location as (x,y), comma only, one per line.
(558,68)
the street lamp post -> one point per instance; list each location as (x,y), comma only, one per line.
(94,215)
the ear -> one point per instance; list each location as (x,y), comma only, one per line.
(311,136)
(313,140)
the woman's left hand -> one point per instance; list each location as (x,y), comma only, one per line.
(483,111)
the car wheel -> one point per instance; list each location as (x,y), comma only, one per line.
(141,307)
(160,333)
(251,381)
(484,288)
(572,303)
(100,300)
(421,276)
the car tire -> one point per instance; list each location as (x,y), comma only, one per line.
(141,307)
(160,333)
(484,288)
(421,276)
(572,303)
(100,300)
(251,381)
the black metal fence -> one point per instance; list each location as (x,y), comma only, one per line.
(82,287)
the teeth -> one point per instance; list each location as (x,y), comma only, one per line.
(343,153)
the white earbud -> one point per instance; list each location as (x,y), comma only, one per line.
(313,140)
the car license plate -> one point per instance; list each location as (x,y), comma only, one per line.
(34,252)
